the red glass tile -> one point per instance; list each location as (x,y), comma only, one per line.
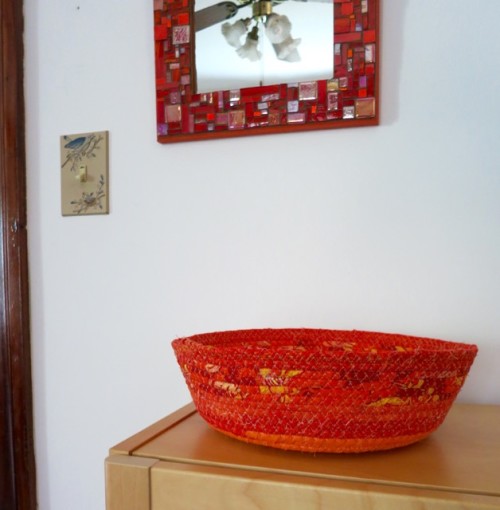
(250,92)
(170,57)
(321,91)
(347,8)
(369,36)
(160,111)
(371,13)
(349,37)
(160,70)
(370,85)
(334,115)
(320,108)
(185,61)
(278,105)
(366,22)
(342,25)
(170,85)
(293,93)
(255,94)
(202,110)
(176,74)
(160,32)
(187,119)
(159,50)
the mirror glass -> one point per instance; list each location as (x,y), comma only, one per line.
(245,67)
(293,43)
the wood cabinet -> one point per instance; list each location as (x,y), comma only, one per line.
(180,463)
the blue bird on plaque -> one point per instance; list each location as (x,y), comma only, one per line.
(76,143)
(79,148)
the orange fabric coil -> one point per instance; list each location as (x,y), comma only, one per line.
(321,390)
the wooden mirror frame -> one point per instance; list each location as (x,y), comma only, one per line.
(348,99)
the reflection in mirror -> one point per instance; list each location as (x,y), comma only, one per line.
(259,42)
(245,67)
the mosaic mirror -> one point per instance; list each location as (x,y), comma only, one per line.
(246,67)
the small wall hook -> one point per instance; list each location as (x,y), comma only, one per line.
(81,174)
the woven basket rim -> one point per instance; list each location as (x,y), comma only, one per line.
(234,340)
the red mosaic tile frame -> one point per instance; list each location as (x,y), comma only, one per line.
(349,98)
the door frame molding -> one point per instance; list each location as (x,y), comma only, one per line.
(17,459)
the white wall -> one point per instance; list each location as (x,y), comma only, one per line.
(393,228)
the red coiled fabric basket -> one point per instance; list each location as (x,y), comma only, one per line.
(322,390)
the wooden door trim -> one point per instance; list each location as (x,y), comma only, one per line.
(17,459)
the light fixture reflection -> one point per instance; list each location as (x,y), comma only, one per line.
(263,22)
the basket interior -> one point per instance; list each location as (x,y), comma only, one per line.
(323,340)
